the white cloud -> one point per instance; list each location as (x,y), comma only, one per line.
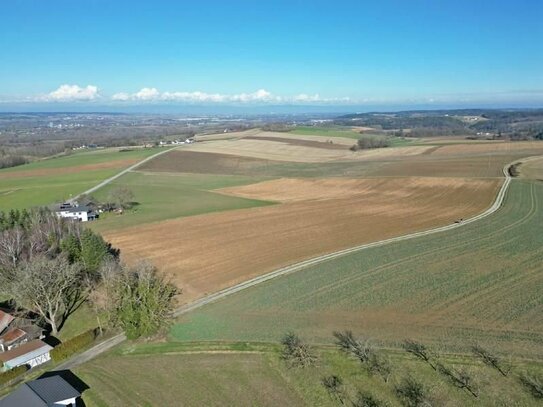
(70,93)
(259,96)
(152,94)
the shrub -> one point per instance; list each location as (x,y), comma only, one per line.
(295,352)
(8,376)
(366,400)
(533,383)
(411,392)
(72,346)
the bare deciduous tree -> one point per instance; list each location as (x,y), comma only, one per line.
(49,287)
(533,383)
(121,196)
(12,247)
(346,341)
(419,351)
(412,393)
(491,360)
(297,353)
(366,400)
(459,378)
(334,386)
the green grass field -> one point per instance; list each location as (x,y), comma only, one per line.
(326,132)
(345,132)
(479,283)
(166,196)
(49,181)
(252,374)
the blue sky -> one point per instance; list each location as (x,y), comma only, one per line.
(98,52)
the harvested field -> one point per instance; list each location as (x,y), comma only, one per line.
(209,252)
(480,283)
(199,162)
(258,147)
(532,169)
(529,147)
(301,142)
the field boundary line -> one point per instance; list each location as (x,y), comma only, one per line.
(113,341)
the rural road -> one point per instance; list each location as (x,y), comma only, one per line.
(120,174)
(108,344)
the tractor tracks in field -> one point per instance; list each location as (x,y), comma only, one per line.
(113,341)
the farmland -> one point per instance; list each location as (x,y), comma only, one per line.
(317,216)
(478,283)
(55,179)
(160,196)
(248,374)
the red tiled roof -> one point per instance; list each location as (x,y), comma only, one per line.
(5,320)
(12,335)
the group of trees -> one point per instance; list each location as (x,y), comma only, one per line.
(49,266)
(368,142)
(410,391)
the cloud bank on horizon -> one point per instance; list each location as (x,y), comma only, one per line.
(91,93)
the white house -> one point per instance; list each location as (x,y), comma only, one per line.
(76,212)
(32,353)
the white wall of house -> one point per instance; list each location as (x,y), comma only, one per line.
(82,216)
(67,402)
(39,360)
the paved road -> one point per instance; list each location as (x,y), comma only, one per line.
(108,344)
(120,174)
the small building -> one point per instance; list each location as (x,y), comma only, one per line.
(81,213)
(46,392)
(12,338)
(5,320)
(33,353)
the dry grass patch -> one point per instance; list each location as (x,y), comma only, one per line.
(266,146)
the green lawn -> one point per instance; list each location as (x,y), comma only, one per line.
(482,282)
(165,196)
(253,374)
(49,181)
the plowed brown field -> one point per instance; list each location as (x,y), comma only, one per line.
(209,252)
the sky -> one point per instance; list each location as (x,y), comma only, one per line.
(109,54)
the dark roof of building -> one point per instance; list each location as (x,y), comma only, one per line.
(80,208)
(23,396)
(52,389)
(44,392)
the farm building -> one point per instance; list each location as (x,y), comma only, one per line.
(31,353)
(15,332)
(81,213)
(45,392)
